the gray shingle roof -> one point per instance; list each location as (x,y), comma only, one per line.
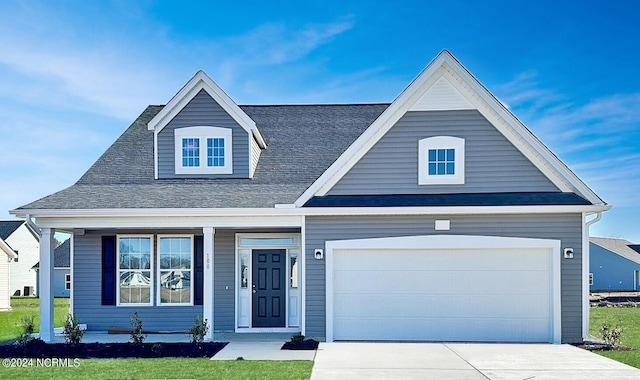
(302,142)
(8,227)
(61,256)
(618,246)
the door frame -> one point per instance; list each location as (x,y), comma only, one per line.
(243,297)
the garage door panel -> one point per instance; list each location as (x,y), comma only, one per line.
(447,282)
(504,330)
(445,306)
(478,259)
(442,294)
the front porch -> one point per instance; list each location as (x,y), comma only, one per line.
(220,277)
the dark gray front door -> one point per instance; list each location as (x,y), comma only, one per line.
(269,273)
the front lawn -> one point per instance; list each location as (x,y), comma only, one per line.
(10,320)
(629,319)
(168,368)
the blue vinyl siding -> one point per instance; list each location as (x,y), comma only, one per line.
(565,227)
(492,163)
(611,272)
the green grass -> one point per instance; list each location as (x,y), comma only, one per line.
(20,306)
(168,368)
(629,319)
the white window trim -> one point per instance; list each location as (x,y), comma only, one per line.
(159,278)
(441,142)
(203,133)
(67,281)
(151,270)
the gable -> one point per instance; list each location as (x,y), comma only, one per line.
(492,163)
(206,155)
(8,227)
(446,85)
(203,111)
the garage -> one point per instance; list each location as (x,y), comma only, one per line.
(444,288)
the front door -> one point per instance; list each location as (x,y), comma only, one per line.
(268,288)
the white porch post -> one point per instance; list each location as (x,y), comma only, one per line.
(45,287)
(207,294)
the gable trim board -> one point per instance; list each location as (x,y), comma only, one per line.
(465,84)
(440,249)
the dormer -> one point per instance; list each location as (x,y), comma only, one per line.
(202,133)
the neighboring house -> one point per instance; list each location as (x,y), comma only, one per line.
(6,257)
(614,265)
(61,270)
(437,217)
(26,247)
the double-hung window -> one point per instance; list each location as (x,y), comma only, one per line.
(135,274)
(203,150)
(175,270)
(441,161)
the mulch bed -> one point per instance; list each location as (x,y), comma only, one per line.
(39,349)
(307,344)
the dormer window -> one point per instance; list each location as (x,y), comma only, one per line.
(203,150)
(441,161)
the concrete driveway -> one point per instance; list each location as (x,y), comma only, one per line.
(344,360)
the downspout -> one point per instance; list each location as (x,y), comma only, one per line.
(33,225)
(585,275)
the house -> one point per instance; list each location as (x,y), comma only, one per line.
(439,216)
(6,257)
(61,270)
(614,265)
(23,240)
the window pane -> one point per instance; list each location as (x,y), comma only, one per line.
(269,241)
(135,253)
(175,286)
(432,169)
(441,168)
(451,168)
(441,154)
(451,154)
(215,152)
(293,275)
(244,272)
(432,155)
(191,152)
(135,287)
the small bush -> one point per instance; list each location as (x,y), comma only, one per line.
(611,336)
(27,324)
(72,332)
(137,337)
(297,338)
(199,330)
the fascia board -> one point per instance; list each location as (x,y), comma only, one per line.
(6,249)
(273,213)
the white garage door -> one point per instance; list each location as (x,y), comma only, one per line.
(497,290)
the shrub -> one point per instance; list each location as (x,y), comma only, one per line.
(72,332)
(199,330)
(297,338)
(611,336)
(27,324)
(137,337)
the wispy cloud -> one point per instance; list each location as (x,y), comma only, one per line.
(596,137)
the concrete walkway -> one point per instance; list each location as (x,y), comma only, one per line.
(463,361)
(258,347)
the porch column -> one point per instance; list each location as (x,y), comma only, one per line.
(45,287)
(207,294)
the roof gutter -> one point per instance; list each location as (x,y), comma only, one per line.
(585,274)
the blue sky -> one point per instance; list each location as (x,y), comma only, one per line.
(75,74)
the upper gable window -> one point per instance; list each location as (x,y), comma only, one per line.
(203,150)
(441,161)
